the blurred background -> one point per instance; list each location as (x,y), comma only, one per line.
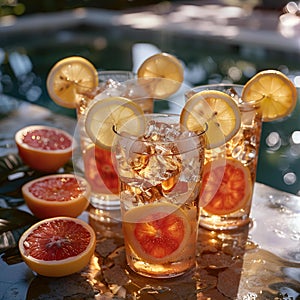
(34,6)
(217,41)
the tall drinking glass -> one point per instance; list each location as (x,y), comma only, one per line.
(95,162)
(230,175)
(160,174)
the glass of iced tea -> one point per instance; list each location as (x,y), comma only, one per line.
(160,174)
(230,169)
(96,162)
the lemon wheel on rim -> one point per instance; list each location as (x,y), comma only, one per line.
(276,93)
(215,110)
(114,112)
(161,74)
(69,78)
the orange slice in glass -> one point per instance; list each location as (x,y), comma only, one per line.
(157,232)
(277,92)
(161,74)
(226,188)
(69,79)
(214,109)
(100,171)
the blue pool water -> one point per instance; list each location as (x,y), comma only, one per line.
(26,59)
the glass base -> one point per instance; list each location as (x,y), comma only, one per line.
(151,273)
(105,201)
(223,223)
(105,216)
(105,208)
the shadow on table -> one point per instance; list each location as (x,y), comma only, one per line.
(229,266)
(216,276)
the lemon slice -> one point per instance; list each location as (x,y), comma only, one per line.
(69,78)
(215,109)
(277,93)
(105,114)
(162,73)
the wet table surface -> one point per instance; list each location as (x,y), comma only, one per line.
(260,261)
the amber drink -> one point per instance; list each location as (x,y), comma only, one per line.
(97,162)
(160,174)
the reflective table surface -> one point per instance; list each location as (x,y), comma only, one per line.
(260,261)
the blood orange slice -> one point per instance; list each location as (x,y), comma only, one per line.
(227,188)
(99,170)
(57,195)
(44,148)
(157,233)
(58,246)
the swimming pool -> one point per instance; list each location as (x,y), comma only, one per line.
(28,53)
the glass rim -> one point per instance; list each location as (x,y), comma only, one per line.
(217,84)
(100,71)
(148,116)
(240,102)
(116,75)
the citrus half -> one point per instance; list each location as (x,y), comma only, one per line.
(58,246)
(277,93)
(57,195)
(44,148)
(162,73)
(114,112)
(158,232)
(225,187)
(69,79)
(214,109)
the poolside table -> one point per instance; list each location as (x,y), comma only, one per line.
(259,261)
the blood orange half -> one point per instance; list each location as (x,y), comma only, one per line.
(231,183)
(58,246)
(158,232)
(57,195)
(44,148)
